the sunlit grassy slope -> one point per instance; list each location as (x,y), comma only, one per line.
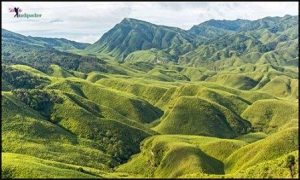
(13,166)
(213,157)
(269,115)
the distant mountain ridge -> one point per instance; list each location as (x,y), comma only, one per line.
(40,53)
(57,43)
(215,44)
(225,39)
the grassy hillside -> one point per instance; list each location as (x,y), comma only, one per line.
(270,148)
(23,125)
(271,169)
(109,137)
(13,167)
(197,116)
(158,153)
(177,155)
(269,115)
(127,105)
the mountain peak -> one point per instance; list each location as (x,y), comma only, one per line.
(131,20)
(126,20)
(132,34)
(134,21)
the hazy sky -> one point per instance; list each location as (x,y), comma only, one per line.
(87,21)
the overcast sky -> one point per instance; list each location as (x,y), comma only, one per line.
(87,21)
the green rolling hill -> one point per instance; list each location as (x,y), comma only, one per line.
(219,100)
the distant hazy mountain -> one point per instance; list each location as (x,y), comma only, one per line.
(271,40)
(57,43)
(41,52)
(215,28)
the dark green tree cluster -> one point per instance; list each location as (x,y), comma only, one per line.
(290,163)
(20,79)
(39,100)
(116,147)
(7,173)
(41,58)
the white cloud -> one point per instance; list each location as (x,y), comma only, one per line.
(87,21)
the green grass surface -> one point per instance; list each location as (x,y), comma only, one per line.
(269,115)
(196,116)
(13,167)
(177,155)
(272,147)
(252,137)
